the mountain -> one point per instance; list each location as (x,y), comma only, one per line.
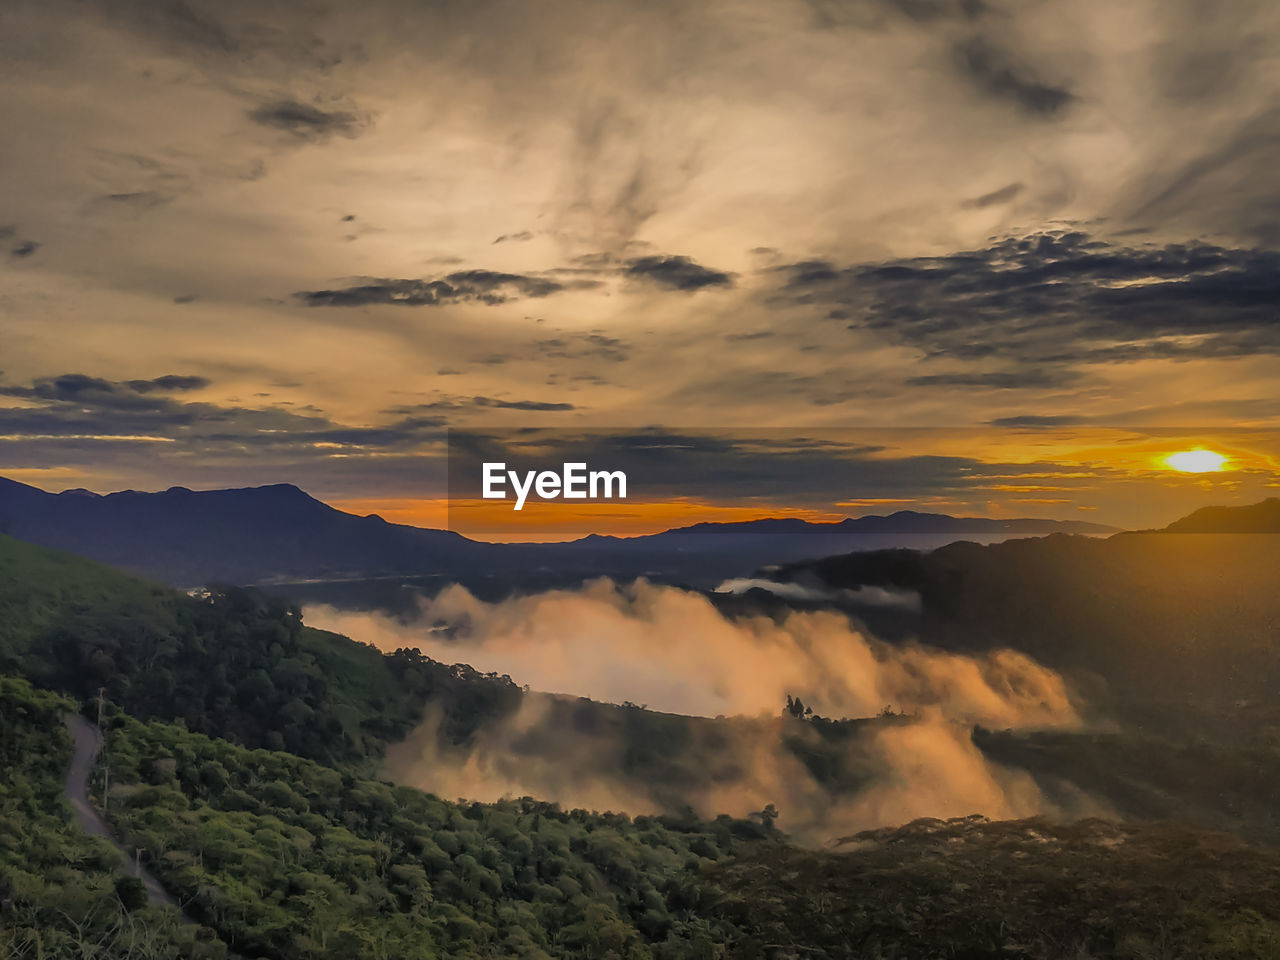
(1261,517)
(902,522)
(1187,621)
(280,534)
(186,538)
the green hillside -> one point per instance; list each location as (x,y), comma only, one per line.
(63,893)
(276,857)
(233,663)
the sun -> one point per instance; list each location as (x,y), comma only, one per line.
(1196,461)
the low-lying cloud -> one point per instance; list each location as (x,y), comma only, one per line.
(672,651)
(868,595)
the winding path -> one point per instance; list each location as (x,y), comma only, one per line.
(88,741)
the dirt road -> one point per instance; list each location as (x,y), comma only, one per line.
(88,741)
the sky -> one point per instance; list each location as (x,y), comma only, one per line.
(1033,246)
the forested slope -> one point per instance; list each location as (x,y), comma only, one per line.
(229,662)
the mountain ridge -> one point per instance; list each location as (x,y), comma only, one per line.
(279,533)
(1261,517)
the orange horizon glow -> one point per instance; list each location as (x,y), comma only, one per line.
(493,520)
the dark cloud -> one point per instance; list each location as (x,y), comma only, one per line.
(478,403)
(588,346)
(482,286)
(926,10)
(25,249)
(994,198)
(84,409)
(81,388)
(533,405)
(138,199)
(520,237)
(305,121)
(830,14)
(1052,300)
(1034,421)
(172,383)
(994,72)
(993,380)
(676,273)
(817,467)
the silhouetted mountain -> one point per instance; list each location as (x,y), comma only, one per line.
(188,537)
(905,522)
(280,534)
(1181,620)
(1261,517)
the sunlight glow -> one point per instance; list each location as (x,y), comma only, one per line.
(1196,461)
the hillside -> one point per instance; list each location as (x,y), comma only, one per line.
(243,748)
(1024,889)
(1137,618)
(233,663)
(277,857)
(1261,517)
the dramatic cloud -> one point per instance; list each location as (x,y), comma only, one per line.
(79,388)
(1055,299)
(598,202)
(677,273)
(305,121)
(169,384)
(483,286)
(995,197)
(996,75)
(479,403)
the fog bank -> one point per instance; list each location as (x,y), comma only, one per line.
(672,651)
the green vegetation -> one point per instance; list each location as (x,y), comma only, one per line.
(287,858)
(62,894)
(1223,786)
(241,746)
(1026,889)
(232,663)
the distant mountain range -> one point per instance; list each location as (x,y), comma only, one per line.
(279,533)
(902,522)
